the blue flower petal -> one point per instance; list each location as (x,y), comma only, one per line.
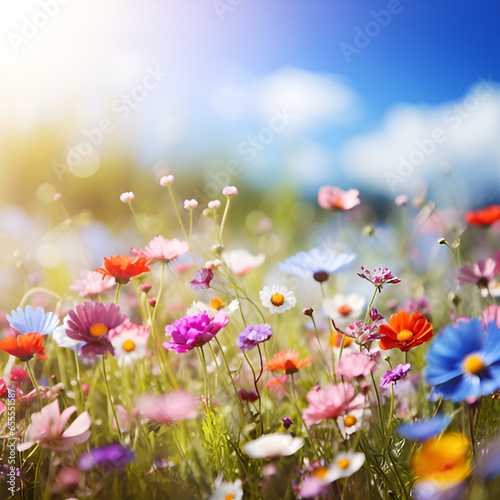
(424,430)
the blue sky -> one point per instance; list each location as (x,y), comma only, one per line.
(231,64)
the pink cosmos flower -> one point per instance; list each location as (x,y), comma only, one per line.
(491,313)
(129,342)
(162,250)
(335,400)
(167,180)
(47,427)
(127,197)
(334,198)
(480,273)
(230,191)
(355,365)
(90,283)
(169,407)
(242,261)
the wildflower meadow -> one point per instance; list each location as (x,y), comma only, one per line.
(257,349)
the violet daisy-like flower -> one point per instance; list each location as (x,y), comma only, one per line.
(193,331)
(318,263)
(253,335)
(32,320)
(90,323)
(480,273)
(379,277)
(159,249)
(394,375)
(202,279)
(113,457)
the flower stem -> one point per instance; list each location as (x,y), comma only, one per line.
(35,384)
(113,409)
(118,286)
(224,216)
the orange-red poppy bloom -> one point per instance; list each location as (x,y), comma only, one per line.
(405,331)
(288,361)
(24,346)
(123,267)
(483,216)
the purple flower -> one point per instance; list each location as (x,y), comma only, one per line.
(379,277)
(112,457)
(394,375)
(90,322)
(362,333)
(193,331)
(287,422)
(375,315)
(202,279)
(248,395)
(253,335)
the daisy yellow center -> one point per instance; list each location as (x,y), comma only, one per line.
(98,330)
(277,300)
(229,496)
(128,345)
(350,420)
(321,472)
(404,335)
(345,309)
(216,303)
(344,463)
(473,364)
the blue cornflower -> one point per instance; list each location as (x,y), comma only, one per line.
(32,321)
(424,430)
(465,361)
(317,262)
(112,457)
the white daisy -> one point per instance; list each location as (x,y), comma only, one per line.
(61,338)
(277,298)
(349,424)
(344,309)
(273,445)
(227,491)
(129,341)
(216,305)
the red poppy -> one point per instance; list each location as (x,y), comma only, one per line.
(24,346)
(288,361)
(123,267)
(405,332)
(483,216)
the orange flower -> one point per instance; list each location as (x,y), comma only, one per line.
(483,216)
(123,267)
(404,331)
(24,346)
(288,361)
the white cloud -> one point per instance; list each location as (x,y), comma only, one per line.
(315,99)
(415,142)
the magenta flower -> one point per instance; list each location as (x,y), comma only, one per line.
(253,335)
(480,273)
(90,322)
(47,427)
(355,365)
(379,277)
(394,375)
(362,333)
(332,402)
(159,249)
(202,279)
(334,198)
(90,283)
(169,407)
(193,331)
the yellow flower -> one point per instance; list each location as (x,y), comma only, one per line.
(444,458)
